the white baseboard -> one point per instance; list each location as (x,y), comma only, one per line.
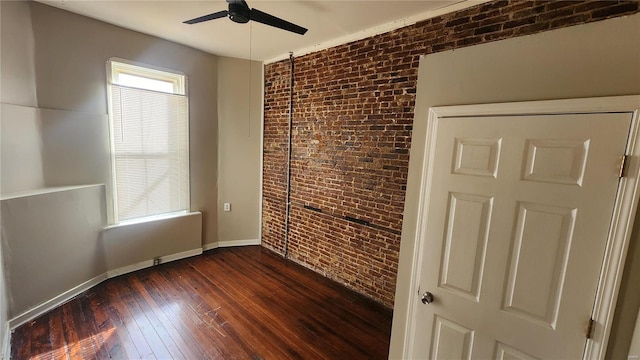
(6,343)
(231,243)
(210,246)
(180,255)
(48,305)
(149,263)
(67,295)
(129,268)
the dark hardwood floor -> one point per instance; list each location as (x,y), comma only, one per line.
(232,303)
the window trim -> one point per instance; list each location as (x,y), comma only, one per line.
(117,66)
(180,81)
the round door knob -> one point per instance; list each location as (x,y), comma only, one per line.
(427,298)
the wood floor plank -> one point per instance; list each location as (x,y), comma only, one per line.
(73,345)
(144,324)
(56,335)
(241,326)
(207,315)
(118,301)
(90,337)
(21,342)
(128,345)
(231,303)
(40,342)
(172,329)
(367,311)
(292,334)
(308,329)
(176,309)
(290,296)
(111,344)
(161,329)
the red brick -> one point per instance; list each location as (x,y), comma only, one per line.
(351,139)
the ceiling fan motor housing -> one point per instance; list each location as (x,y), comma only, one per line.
(238,12)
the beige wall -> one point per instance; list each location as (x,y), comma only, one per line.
(51,243)
(70,68)
(20,142)
(5,334)
(20,148)
(65,142)
(239,148)
(4,309)
(18,84)
(132,244)
(624,323)
(597,59)
(75,149)
(634,350)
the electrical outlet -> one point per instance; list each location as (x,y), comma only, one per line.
(156,261)
(227,206)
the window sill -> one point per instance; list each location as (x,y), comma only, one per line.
(149,219)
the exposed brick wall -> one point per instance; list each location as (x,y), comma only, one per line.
(362,257)
(353,111)
(275,155)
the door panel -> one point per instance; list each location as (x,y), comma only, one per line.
(476,156)
(515,231)
(555,161)
(505,352)
(451,341)
(465,245)
(539,261)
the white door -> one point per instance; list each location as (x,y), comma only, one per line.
(516,226)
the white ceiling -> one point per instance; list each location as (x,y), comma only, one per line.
(330,22)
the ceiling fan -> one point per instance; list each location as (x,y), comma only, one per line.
(240,12)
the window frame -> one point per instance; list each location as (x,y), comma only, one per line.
(114,67)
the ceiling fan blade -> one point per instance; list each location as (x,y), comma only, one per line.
(216,15)
(264,18)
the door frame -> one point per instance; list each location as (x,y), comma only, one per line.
(624,212)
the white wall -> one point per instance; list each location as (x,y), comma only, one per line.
(596,59)
(239,148)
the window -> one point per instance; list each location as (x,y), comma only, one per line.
(149,141)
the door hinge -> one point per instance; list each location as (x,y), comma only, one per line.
(590,328)
(623,166)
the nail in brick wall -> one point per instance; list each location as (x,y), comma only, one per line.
(352,122)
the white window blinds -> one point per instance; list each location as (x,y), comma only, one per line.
(150,151)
